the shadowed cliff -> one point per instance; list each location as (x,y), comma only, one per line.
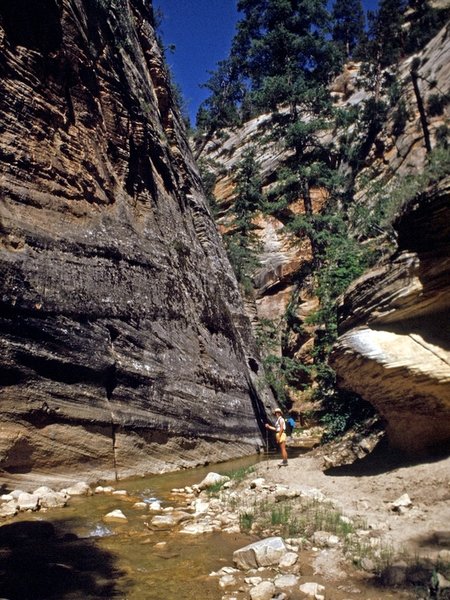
(124,347)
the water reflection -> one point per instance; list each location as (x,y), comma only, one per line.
(42,560)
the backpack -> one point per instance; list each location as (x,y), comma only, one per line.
(290,423)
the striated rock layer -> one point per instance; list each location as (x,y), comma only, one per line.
(124,347)
(394,344)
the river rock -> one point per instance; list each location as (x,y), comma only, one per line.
(197,528)
(257,483)
(16,493)
(212,479)
(27,501)
(402,503)
(200,506)
(288,560)
(140,505)
(325,539)
(227,580)
(285,493)
(263,591)
(253,580)
(155,506)
(313,590)
(442,582)
(263,553)
(115,516)
(120,493)
(169,520)
(8,509)
(100,489)
(79,489)
(51,499)
(285,581)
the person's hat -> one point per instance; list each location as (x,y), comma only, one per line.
(277,410)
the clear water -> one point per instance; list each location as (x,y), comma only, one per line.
(72,554)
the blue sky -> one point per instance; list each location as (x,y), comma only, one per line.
(201,31)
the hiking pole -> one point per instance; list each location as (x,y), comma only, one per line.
(267,450)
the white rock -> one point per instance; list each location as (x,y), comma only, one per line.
(167,521)
(155,506)
(227,571)
(285,494)
(120,493)
(201,507)
(314,590)
(52,499)
(402,502)
(100,489)
(115,516)
(197,529)
(9,509)
(257,483)
(227,581)
(44,489)
(325,539)
(263,553)
(253,580)
(140,505)
(263,591)
(443,582)
(16,493)
(285,581)
(27,501)
(313,493)
(288,560)
(6,497)
(212,479)
(162,522)
(232,529)
(79,489)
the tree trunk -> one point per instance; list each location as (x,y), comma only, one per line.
(420,106)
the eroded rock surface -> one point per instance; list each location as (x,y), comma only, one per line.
(395,336)
(123,343)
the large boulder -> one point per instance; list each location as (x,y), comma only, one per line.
(263,553)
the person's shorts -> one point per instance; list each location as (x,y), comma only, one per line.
(280,437)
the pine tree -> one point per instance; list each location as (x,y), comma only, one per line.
(387,37)
(287,51)
(348,25)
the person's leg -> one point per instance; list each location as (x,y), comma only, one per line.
(283,452)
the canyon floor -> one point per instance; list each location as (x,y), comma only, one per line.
(368,488)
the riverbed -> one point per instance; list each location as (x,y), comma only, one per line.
(71,553)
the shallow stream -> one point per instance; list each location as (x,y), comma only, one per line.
(72,554)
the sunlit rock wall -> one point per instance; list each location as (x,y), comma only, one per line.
(124,348)
(394,344)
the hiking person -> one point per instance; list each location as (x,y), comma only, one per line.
(280,435)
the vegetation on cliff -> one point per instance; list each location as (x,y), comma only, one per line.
(282,61)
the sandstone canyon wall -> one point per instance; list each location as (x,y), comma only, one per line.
(394,344)
(393,349)
(124,347)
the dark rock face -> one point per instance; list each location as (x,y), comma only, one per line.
(394,347)
(123,343)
